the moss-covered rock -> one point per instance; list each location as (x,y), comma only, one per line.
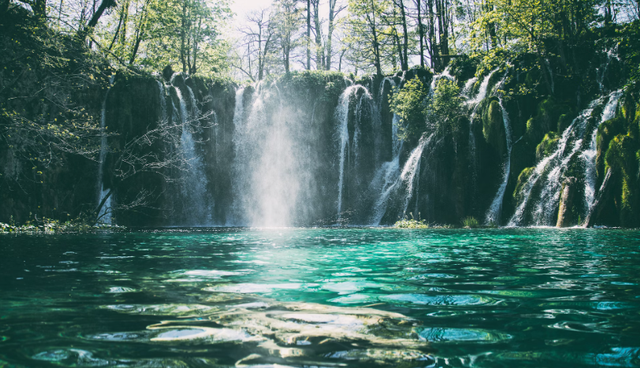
(493,127)
(548,145)
(522,179)
(563,122)
(606,131)
(622,157)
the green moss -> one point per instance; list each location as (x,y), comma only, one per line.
(628,209)
(628,107)
(522,179)
(563,122)
(493,126)
(620,156)
(548,145)
(634,129)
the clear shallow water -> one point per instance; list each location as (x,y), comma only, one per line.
(322,298)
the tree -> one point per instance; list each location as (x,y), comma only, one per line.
(365,24)
(288,19)
(408,102)
(258,41)
(333,13)
(183,32)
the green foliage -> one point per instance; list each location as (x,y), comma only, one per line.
(548,145)
(409,104)
(411,224)
(186,33)
(368,38)
(46,79)
(470,222)
(446,106)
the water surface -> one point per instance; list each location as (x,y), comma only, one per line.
(322,298)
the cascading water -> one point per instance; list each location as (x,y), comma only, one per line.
(482,92)
(589,155)
(240,184)
(549,173)
(104,216)
(401,186)
(271,172)
(348,147)
(601,72)
(468,85)
(472,104)
(493,215)
(197,209)
(386,176)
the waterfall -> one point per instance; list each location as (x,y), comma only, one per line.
(342,133)
(493,215)
(393,183)
(240,183)
(549,173)
(468,85)
(473,104)
(482,91)
(197,209)
(386,176)
(548,65)
(104,216)
(589,155)
(270,171)
(601,72)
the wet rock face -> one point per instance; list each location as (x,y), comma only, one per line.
(280,332)
(565,217)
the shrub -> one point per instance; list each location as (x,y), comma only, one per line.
(470,222)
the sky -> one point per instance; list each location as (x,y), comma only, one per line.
(242,7)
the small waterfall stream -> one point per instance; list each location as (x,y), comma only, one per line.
(400,185)
(197,209)
(589,155)
(348,147)
(493,215)
(104,216)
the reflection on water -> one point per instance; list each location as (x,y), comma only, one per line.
(322,298)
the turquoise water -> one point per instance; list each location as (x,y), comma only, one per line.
(322,298)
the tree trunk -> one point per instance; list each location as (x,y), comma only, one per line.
(125,10)
(140,33)
(443,32)
(376,43)
(405,38)
(96,16)
(329,49)
(318,26)
(183,36)
(115,36)
(420,33)
(308,34)
(433,49)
